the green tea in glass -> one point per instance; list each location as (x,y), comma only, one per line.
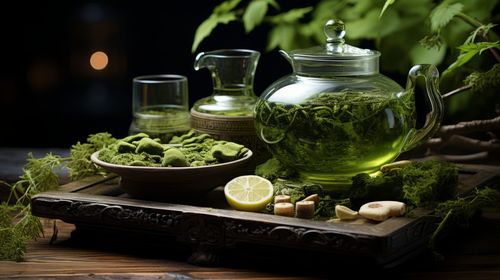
(160,106)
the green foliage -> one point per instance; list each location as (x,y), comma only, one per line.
(461,210)
(464,208)
(419,184)
(468,51)
(255,13)
(222,14)
(443,14)
(448,33)
(17,224)
(80,165)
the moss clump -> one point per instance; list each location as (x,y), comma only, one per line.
(174,157)
(273,169)
(125,147)
(195,150)
(150,146)
(419,184)
(135,137)
(227,151)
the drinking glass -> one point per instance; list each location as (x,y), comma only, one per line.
(160,106)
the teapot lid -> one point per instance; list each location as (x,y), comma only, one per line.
(335,58)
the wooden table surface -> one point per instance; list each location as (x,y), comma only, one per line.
(467,253)
(472,253)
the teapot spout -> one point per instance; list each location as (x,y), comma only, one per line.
(287,56)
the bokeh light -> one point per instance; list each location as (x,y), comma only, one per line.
(99,60)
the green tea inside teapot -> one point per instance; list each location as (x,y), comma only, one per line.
(335,116)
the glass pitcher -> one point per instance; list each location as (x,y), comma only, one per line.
(227,113)
(233,72)
(336,116)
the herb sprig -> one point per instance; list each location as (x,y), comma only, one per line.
(17,224)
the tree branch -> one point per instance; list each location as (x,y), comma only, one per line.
(462,142)
(455,91)
(461,158)
(470,126)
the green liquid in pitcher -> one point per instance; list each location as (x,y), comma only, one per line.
(333,136)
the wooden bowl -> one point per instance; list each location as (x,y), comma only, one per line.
(172,183)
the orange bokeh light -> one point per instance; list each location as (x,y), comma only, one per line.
(99,60)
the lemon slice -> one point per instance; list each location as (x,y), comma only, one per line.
(249,193)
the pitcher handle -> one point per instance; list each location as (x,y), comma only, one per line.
(433,119)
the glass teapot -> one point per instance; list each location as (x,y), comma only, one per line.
(336,116)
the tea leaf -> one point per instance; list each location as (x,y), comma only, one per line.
(443,14)
(468,51)
(255,13)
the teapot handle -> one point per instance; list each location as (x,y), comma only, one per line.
(433,119)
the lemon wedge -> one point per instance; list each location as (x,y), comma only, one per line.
(249,193)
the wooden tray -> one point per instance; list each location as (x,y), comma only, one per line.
(98,205)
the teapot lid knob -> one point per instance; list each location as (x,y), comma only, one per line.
(335,31)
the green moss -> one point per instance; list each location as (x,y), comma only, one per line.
(174,157)
(197,150)
(149,146)
(195,139)
(226,152)
(419,184)
(179,139)
(273,169)
(125,147)
(135,137)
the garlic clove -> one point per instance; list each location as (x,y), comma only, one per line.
(382,210)
(312,197)
(345,213)
(374,211)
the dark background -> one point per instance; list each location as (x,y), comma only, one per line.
(51,97)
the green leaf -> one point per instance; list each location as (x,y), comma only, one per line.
(291,16)
(468,51)
(481,31)
(443,14)
(386,5)
(226,6)
(281,36)
(370,27)
(208,25)
(254,14)
(422,55)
